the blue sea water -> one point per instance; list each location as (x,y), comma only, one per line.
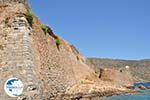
(137,84)
(145,95)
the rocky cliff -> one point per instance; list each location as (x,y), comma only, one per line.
(45,63)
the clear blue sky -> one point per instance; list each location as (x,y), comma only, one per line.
(100,28)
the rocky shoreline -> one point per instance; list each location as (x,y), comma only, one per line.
(89,96)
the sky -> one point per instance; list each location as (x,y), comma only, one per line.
(118,29)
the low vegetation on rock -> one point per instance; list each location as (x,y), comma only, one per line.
(30,18)
(58,42)
(44,28)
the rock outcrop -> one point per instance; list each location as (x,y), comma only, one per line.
(120,77)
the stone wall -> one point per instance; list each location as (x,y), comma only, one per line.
(17,57)
(59,69)
(13,1)
(33,57)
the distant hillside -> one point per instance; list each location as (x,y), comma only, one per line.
(139,68)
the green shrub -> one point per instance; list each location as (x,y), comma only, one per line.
(58,41)
(43,27)
(82,82)
(29,17)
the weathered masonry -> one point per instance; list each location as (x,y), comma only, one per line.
(17,57)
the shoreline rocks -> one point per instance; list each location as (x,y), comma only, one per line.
(88,96)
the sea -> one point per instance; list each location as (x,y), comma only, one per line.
(144,95)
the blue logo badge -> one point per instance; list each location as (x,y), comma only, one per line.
(13,87)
